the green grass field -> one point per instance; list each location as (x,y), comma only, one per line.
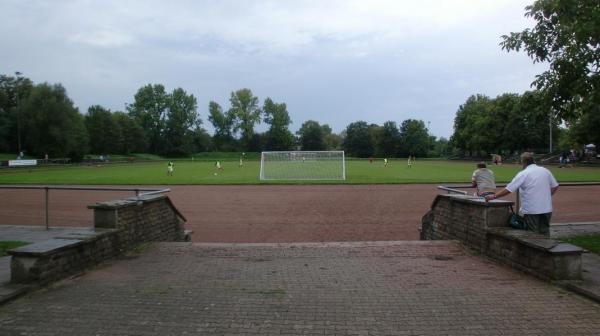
(202,172)
(588,242)
(7,245)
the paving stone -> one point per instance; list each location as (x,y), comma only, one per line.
(396,288)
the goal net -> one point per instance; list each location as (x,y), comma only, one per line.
(303,165)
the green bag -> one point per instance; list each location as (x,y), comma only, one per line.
(515,221)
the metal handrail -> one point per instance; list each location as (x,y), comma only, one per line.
(161,191)
(452,190)
(147,191)
(502,185)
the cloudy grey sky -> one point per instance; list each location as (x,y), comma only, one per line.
(334,61)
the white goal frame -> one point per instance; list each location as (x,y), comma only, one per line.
(303,160)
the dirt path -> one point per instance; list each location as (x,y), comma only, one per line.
(282,213)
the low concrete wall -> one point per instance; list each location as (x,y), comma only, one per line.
(542,256)
(484,227)
(464,218)
(141,219)
(120,226)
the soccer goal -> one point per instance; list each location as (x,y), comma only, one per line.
(303,165)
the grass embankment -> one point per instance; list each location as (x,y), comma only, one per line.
(588,242)
(7,245)
(203,172)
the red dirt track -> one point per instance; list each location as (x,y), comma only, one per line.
(290,213)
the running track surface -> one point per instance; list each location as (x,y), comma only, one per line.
(289,213)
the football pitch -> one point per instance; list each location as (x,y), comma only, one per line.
(204,172)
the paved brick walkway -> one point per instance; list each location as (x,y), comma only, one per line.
(574,229)
(393,288)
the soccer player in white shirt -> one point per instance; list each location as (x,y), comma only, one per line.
(536,185)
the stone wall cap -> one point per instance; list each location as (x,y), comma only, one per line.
(90,235)
(126,202)
(473,200)
(566,248)
(536,241)
(134,201)
(45,247)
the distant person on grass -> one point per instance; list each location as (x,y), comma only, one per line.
(385,162)
(170,168)
(536,185)
(409,163)
(483,179)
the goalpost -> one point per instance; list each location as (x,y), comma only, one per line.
(303,165)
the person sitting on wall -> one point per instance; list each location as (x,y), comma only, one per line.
(483,179)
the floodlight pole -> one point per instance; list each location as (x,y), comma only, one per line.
(550,124)
(17,73)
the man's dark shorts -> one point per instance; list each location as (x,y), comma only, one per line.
(539,223)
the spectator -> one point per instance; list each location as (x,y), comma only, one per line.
(483,179)
(536,186)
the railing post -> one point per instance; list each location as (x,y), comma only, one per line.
(47,212)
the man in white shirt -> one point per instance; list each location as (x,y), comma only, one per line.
(536,185)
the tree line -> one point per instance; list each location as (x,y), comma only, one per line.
(505,124)
(566,35)
(40,119)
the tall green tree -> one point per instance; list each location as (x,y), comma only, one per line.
(387,140)
(585,130)
(103,131)
(311,136)
(181,122)
(51,124)
(358,141)
(202,141)
(132,138)
(13,90)
(469,124)
(414,138)
(332,141)
(278,137)
(532,124)
(441,147)
(244,106)
(149,109)
(505,124)
(567,36)
(223,123)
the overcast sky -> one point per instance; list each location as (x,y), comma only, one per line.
(331,61)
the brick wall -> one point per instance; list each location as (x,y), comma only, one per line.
(140,220)
(71,257)
(484,227)
(463,218)
(120,226)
